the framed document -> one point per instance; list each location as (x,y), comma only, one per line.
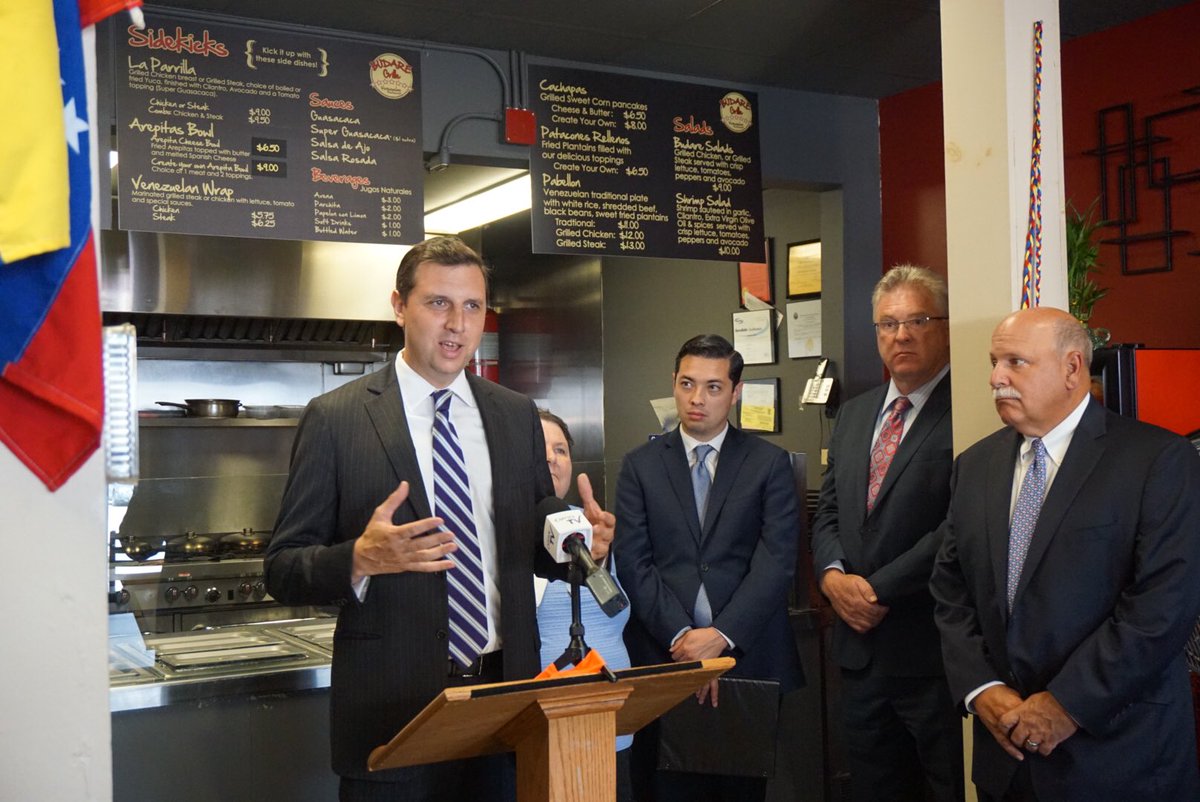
(757,278)
(804,268)
(758,409)
(804,328)
(754,336)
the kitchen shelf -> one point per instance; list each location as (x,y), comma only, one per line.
(166,422)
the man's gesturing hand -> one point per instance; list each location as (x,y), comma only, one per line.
(385,548)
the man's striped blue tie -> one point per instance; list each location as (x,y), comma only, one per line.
(452,503)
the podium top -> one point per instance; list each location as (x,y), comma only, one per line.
(469,721)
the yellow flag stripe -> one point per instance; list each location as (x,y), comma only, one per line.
(34,186)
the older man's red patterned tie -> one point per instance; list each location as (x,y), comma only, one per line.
(885,447)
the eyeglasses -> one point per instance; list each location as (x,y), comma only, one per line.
(916,324)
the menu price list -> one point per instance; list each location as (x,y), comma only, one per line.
(231,130)
(629,166)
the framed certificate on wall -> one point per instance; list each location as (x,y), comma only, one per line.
(758,409)
(804,268)
(757,278)
(754,336)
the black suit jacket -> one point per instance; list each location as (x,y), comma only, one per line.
(1108,594)
(892,547)
(352,449)
(746,555)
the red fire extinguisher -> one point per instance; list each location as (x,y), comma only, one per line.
(487,359)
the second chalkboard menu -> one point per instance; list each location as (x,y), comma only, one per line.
(234,130)
(630,166)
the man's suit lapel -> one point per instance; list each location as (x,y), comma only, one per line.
(386,410)
(675,465)
(729,465)
(1081,458)
(936,407)
(492,425)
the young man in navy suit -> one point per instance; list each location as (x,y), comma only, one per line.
(707,536)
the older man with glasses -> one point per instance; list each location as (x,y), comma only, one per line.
(885,493)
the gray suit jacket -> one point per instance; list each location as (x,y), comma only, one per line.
(352,449)
(745,555)
(893,546)
(1109,592)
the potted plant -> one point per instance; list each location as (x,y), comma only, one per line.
(1082,253)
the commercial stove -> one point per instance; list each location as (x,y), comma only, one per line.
(181,594)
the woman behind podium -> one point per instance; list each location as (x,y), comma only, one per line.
(602,633)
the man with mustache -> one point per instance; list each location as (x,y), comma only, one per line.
(1067,583)
(884,496)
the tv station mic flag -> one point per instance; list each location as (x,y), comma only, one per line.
(51,375)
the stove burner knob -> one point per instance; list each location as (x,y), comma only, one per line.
(260,590)
(212,595)
(245,589)
(191,592)
(172,594)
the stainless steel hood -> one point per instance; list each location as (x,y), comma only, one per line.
(192,275)
(192,290)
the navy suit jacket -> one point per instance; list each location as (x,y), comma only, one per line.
(893,546)
(390,655)
(745,555)
(1109,591)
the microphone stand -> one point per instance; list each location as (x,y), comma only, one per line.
(577,648)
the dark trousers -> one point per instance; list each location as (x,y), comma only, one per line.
(903,738)
(490,779)
(1019,790)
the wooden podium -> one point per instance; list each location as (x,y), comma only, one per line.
(562,729)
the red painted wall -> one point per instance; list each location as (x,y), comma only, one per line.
(1148,63)
(913,178)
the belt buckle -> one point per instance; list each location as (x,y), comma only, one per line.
(473,670)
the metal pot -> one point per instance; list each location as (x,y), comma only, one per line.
(245,542)
(206,407)
(191,545)
(141,549)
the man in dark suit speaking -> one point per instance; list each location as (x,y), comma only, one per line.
(411,505)
(706,544)
(1067,583)
(875,536)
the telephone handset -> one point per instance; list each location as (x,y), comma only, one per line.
(818,389)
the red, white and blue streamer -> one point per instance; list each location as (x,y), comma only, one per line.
(1031,271)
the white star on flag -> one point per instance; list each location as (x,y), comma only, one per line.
(74,125)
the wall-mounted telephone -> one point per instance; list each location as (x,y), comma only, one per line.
(821,389)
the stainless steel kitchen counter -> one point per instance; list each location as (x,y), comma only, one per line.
(247,660)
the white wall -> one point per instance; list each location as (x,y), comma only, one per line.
(53,666)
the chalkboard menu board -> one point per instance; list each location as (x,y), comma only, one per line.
(629,166)
(240,131)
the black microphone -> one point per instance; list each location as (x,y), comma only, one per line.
(567,536)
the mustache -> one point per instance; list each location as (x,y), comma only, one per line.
(1005,392)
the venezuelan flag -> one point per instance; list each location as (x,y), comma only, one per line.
(51,377)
